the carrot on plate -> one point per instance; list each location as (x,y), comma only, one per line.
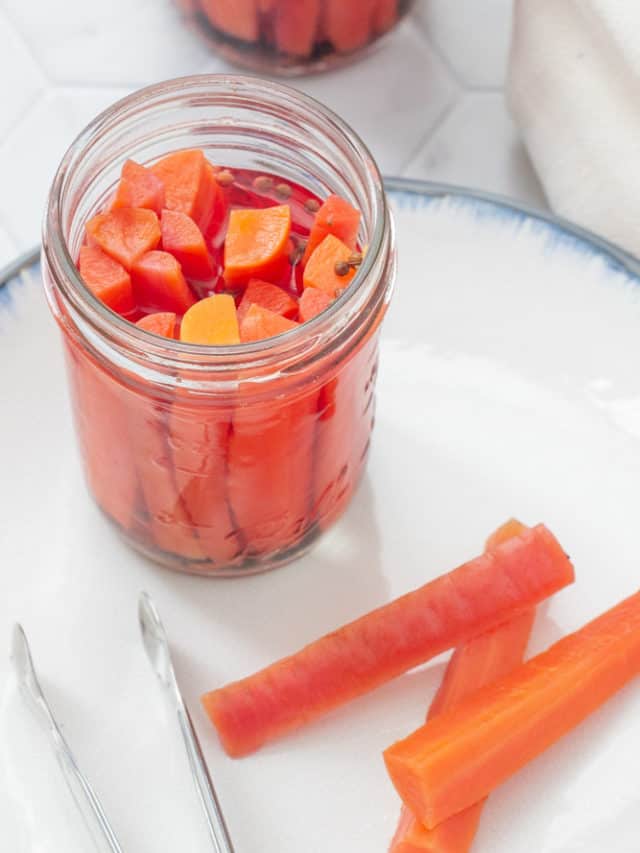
(138,187)
(335,216)
(259,323)
(479,662)
(190,186)
(107,279)
(125,234)
(459,757)
(163,324)
(212,320)
(268,296)
(361,656)
(159,285)
(182,238)
(255,245)
(324,264)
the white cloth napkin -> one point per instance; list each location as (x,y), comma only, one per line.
(574,90)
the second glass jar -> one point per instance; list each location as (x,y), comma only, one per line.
(293,37)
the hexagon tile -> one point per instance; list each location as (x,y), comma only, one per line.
(429,103)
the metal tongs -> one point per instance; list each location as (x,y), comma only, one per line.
(95,819)
(85,798)
(157,647)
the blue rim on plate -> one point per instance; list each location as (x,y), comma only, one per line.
(407,191)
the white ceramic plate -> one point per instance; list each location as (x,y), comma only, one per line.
(509,385)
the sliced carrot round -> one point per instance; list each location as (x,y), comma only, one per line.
(256,243)
(211,321)
(125,234)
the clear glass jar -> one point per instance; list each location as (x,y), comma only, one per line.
(293,36)
(221,460)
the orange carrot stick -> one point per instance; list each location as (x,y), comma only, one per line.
(385,643)
(479,662)
(459,757)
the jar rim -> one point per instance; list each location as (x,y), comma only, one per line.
(290,345)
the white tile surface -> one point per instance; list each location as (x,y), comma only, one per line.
(429,103)
(477,144)
(472,36)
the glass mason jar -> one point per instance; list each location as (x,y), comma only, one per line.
(293,36)
(221,460)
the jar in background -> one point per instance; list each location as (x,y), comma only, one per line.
(221,460)
(293,36)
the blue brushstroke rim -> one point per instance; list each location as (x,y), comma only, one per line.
(414,194)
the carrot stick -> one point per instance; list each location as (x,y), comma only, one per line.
(212,320)
(389,641)
(479,662)
(459,757)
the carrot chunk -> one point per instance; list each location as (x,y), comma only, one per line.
(159,285)
(335,216)
(268,296)
(348,25)
(211,321)
(124,234)
(313,302)
(184,240)
(190,186)
(385,15)
(256,243)
(106,279)
(361,656)
(138,187)
(295,26)
(479,662)
(163,324)
(320,271)
(260,323)
(237,18)
(459,757)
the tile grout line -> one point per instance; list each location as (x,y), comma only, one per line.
(447,111)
